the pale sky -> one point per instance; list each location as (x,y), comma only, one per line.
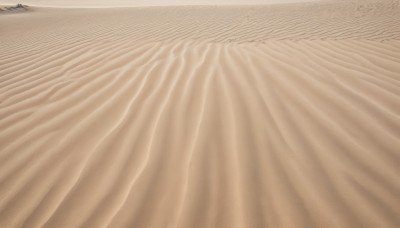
(116,3)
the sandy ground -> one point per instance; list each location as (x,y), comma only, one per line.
(252,116)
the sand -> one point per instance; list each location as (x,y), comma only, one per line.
(201,116)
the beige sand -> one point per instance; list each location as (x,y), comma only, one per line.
(257,116)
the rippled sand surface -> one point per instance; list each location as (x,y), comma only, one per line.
(201,116)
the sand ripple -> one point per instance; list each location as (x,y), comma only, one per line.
(193,133)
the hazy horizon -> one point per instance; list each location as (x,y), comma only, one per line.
(121,3)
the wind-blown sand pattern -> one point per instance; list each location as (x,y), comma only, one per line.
(252,116)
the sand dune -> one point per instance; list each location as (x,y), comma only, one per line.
(257,116)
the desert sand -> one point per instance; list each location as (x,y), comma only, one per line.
(284,115)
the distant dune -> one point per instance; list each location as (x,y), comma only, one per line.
(281,115)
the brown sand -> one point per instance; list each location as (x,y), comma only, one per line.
(251,116)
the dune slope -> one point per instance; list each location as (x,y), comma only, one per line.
(262,116)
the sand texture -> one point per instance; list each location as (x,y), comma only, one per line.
(213,116)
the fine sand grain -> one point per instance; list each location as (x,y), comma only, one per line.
(201,116)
